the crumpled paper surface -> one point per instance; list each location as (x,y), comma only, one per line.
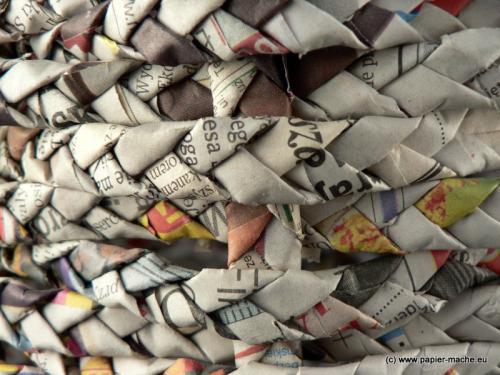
(300,187)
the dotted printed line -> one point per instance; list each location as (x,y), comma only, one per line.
(391,300)
(443,138)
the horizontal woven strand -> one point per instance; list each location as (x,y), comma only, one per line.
(132,294)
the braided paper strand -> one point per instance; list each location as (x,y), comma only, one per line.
(119,302)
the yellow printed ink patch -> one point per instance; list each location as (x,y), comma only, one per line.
(169,223)
(454,198)
(354,232)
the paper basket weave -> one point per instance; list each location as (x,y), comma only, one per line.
(249,187)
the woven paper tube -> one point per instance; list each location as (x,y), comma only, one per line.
(256,187)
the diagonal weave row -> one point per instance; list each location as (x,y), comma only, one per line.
(172,32)
(111,192)
(412,80)
(121,302)
(405,363)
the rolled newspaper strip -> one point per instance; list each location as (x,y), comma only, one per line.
(78,299)
(329,170)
